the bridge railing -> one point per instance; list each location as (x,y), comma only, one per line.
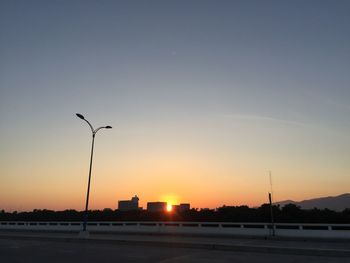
(196,228)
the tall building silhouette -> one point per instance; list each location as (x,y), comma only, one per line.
(156,206)
(129,205)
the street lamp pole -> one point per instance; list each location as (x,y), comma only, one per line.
(94,131)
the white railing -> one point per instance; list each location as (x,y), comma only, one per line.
(196,228)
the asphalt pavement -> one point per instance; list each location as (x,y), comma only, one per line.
(43,251)
(101,247)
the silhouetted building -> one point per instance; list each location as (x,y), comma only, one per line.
(156,206)
(180,208)
(175,208)
(129,205)
(184,207)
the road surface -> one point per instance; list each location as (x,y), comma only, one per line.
(43,251)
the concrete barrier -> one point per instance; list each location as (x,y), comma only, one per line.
(339,231)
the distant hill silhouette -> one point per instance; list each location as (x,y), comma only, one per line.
(336,203)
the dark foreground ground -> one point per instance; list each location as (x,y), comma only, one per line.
(15,250)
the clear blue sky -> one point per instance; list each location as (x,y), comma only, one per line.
(216,91)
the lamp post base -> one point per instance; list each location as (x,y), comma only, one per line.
(84,234)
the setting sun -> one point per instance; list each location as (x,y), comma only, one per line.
(169,207)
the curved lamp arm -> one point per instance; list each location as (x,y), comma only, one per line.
(103,127)
(80,116)
(92,128)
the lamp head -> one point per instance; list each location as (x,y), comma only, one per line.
(108,127)
(80,116)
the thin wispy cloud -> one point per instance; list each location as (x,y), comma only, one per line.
(252,117)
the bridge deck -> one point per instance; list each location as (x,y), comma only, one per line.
(339,248)
(39,251)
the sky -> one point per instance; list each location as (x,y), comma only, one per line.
(205,98)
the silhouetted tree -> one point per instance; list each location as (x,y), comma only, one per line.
(289,214)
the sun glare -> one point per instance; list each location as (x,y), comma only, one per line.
(169,207)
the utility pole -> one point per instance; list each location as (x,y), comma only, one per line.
(271,208)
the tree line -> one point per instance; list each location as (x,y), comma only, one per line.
(287,214)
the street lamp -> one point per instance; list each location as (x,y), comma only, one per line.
(92,153)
